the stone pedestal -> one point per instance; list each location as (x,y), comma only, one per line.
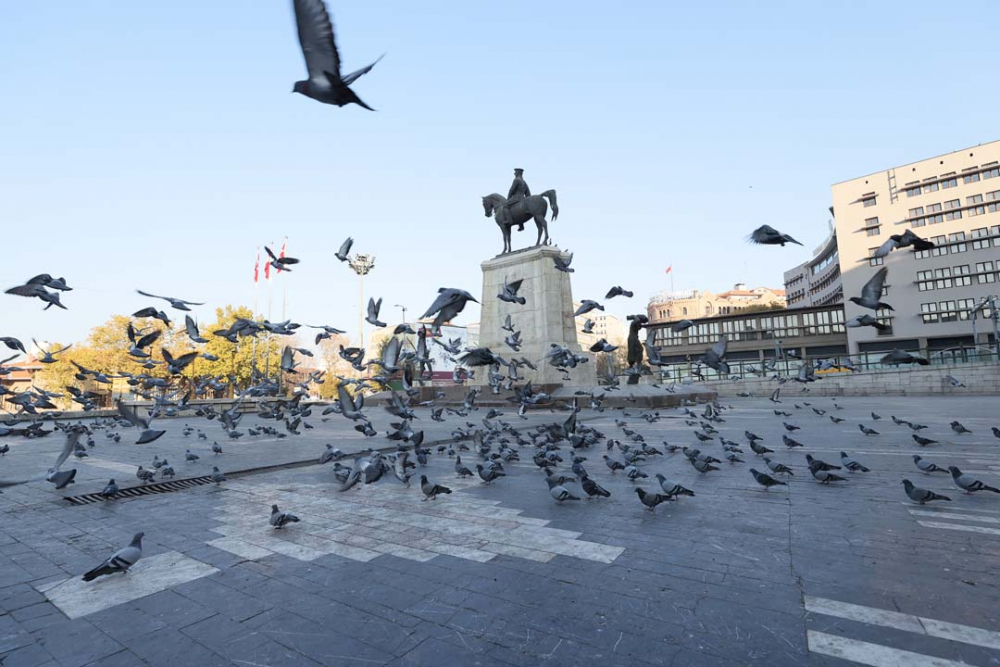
(545,318)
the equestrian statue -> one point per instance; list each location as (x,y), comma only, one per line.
(520,206)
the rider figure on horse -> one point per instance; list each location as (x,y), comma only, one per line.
(518,190)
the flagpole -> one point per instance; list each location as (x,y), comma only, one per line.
(253,315)
(267,338)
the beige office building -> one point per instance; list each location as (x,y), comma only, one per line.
(952,200)
(676,306)
(606,326)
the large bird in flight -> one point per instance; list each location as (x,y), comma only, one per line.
(325,83)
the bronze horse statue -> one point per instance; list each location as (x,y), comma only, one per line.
(521,211)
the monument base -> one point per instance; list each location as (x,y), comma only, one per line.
(546,318)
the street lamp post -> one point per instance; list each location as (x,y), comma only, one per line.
(361,265)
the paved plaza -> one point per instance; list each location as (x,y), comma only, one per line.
(850,573)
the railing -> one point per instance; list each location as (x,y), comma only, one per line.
(863,361)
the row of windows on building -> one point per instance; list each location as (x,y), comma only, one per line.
(825,262)
(946,311)
(956,276)
(932,214)
(769,327)
(815,288)
(795,297)
(952,244)
(946,181)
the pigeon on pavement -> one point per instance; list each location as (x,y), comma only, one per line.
(921,496)
(968,483)
(280,519)
(926,466)
(766,480)
(119,561)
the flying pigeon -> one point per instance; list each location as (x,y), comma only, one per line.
(897,357)
(618,291)
(372,316)
(345,249)
(325,83)
(177,304)
(872,292)
(509,292)
(865,321)
(563,264)
(904,240)
(715,356)
(767,235)
(586,306)
(449,303)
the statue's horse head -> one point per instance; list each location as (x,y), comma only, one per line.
(491,203)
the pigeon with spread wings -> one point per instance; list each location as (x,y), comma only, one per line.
(325,83)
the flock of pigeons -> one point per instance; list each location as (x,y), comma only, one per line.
(491,444)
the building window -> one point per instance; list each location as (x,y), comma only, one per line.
(916,212)
(949,183)
(948,311)
(912,190)
(942,278)
(992,196)
(991,173)
(976,210)
(872,227)
(931,187)
(984,271)
(874,261)
(870,201)
(685,311)
(928,313)
(953,215)
(970,178)
(974,199)
(952,204)
(960,274)
(933,208)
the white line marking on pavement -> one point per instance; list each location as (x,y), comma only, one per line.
(875,655)
(953,515)
(965,634)
(76,597)
(964,509)
(955,526)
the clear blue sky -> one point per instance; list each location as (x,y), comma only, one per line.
(154,145)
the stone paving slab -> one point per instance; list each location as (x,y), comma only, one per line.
(502,575)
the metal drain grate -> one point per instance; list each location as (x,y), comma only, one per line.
(191,482)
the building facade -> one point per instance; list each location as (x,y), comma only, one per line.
(606,326)
(752,338)
(952,200)
(676,306)
(816,282)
